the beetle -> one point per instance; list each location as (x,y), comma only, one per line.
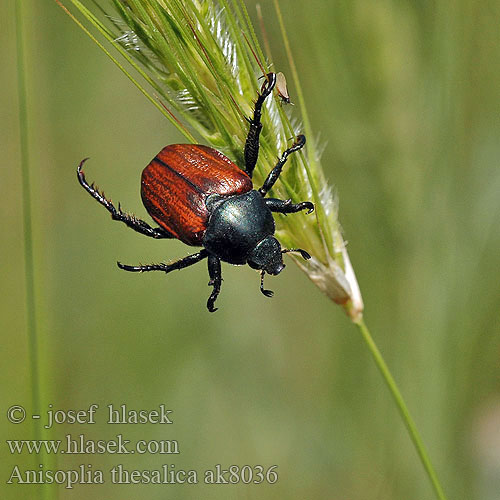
(199,196)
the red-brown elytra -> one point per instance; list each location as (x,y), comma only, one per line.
(197,195)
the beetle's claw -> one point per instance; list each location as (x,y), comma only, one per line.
(210,304)
(300,140)
(310,207)
(267,293)
(268,85)
(213,296)
(125,267)
(79,169)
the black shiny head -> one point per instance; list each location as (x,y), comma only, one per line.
(267,256)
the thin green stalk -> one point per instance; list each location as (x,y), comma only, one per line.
(29,274)
(403,409)
(26,193)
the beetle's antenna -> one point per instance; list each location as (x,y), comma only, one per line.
(267,293)
(303,253)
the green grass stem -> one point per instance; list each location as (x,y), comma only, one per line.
(403,409)
(29,272)
(27,222)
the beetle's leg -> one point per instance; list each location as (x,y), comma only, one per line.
(116,214)
(267,293)
(276,171)
(287,207)
(252,142)
(214,271)
(179,264)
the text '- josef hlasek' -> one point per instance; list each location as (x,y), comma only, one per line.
(114,415)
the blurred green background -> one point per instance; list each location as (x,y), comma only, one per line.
(406,97)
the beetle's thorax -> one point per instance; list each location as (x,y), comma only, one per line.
(236,225)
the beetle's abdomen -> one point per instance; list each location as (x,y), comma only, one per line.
(176,183)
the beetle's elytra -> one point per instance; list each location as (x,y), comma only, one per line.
(177,182)
(197,195)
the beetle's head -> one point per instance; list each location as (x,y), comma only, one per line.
(267,256)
